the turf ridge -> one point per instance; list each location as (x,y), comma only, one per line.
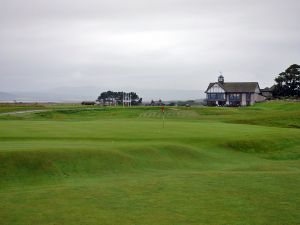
(207,166)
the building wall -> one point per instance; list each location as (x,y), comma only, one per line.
(216,89)
(243,99)
(254,97)
(267,93)
(259,98)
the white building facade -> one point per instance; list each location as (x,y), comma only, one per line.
(233,93)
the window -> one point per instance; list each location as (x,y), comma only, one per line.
(248,97)
(234,97)
(221,96)
(216,96)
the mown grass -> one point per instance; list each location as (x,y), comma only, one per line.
(119,166)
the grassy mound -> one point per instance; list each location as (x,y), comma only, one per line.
(77,165)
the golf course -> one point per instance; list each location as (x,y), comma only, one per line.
(80,165)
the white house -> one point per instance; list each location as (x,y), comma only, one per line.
(233,93)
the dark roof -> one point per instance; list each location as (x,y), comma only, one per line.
(267,89)
(236,86)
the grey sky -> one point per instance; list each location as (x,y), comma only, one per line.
(171,44)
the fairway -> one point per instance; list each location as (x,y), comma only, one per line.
(70,164)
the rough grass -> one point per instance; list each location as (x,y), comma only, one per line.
(9,107)
(118,166)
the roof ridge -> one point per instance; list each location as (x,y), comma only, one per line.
(242,82)
(236,86)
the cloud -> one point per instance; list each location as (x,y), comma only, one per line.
(167,44)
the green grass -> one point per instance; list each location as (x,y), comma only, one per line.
(77,165)
(9,107)
(15,107)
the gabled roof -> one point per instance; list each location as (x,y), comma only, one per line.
(212,84)
(267,89)
(236,86)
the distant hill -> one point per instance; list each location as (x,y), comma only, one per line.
(76,94)
(4,96)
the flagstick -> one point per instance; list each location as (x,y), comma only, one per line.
(163,111)
(163,119)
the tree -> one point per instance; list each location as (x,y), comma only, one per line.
(288,82)
(118,96)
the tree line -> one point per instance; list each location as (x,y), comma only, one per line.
(118,97)
(288,83)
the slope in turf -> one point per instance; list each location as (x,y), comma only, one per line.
(118,166)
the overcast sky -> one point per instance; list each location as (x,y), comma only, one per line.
(170,44)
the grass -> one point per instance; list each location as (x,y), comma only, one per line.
(80,165)
(9,107)
(16,107)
